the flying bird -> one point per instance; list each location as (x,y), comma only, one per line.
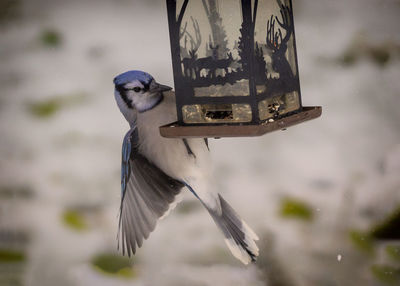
(155,169)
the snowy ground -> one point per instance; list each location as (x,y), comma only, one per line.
(343,166)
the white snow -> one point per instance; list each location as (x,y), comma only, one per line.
(345,165)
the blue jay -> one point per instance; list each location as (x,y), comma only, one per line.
(155,169)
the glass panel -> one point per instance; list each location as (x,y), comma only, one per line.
(210,54)
(240,88)
(216,113)
(279,105)
(275,63)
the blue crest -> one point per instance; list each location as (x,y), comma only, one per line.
(129,76)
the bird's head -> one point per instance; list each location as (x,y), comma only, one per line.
(137,91)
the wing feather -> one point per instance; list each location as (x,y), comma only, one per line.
(146,192)
(129,229)
(145,214)
(133,220)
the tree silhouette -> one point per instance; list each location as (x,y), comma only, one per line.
(217,29)
(260,65)
(242,48)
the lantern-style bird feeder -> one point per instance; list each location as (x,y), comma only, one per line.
(235,68)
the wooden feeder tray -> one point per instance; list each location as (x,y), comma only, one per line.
(174,130)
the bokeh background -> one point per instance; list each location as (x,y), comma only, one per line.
(323,196)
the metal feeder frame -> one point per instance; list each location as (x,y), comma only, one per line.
(187,79)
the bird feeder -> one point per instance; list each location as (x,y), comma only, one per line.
(235,68)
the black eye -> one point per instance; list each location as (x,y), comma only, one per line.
(137,89)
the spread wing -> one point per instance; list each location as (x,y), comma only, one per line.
(147,193)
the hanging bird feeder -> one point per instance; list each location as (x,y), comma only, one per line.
(235,68)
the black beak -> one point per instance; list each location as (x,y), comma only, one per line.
(159,88)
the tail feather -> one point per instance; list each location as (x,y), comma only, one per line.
(238,235)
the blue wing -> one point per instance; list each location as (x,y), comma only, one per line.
(130,136)
(146,193)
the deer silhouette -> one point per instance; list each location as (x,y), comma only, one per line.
(208,62)
(223,63)
(278,44)
(212,63)
(193,66)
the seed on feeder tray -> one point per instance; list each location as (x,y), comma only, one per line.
(274,109)
(271,120)
(271,109)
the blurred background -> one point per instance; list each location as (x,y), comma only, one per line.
(323,196)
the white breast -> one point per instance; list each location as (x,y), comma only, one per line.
(170,155)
